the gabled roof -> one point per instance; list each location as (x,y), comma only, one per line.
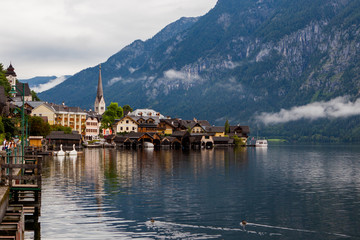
(137,118)
(243,129)
(178,133)
(170,122)
(47,105)
(32,104)
(214,129)
(20,87)
(64,108)
(118,120)
(191,123)
(145,113)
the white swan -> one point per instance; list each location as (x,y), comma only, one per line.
(73,152)
(61,152)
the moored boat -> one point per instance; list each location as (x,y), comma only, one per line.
(261,143)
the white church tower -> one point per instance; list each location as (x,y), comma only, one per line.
(99,105)
(11,76)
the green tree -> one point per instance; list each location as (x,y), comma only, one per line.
(66,130)
(38,127)
(2,128)
(9,127)
(3,81)
(112,112)
(34,96)
(227,127)
(127,109)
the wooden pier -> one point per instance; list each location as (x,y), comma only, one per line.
(21,201)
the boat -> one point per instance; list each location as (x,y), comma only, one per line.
(73,152)
(60,153)
(261,143)
(148,145)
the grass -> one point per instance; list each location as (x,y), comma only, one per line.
(277,140)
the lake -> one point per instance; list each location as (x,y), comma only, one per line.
(283,192)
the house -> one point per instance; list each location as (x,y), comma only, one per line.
(45,110)
(92,126)
(62,115)
(242,132)
(125,124)
(166,126)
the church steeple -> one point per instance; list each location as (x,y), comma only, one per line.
(99,88)
(99,105)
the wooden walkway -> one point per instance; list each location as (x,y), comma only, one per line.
(23,177)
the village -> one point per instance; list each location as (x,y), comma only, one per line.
(141,128)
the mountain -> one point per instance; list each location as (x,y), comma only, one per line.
(43,83)
(242,58)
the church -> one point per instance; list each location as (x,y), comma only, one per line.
(99,105)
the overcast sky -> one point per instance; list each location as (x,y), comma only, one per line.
(62,37)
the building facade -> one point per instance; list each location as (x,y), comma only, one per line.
(62,115)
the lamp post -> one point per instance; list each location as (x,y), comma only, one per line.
(22,91)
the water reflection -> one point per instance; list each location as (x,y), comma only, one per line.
(202,194)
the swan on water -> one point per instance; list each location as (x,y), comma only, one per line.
(61,152)
(73,152)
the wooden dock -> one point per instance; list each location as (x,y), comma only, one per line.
(21,200)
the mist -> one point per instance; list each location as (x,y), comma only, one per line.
(46,86)
(340,107)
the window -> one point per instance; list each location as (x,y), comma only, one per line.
(127,121)
(127,128)
(121,128)
(133,128)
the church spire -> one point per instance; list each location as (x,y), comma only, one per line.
(99,88)
(99,105)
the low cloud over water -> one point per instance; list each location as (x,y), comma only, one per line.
(339,107)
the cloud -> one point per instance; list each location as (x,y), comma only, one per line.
(114,80)
(50,37)
(52,83)
(340,107)
(183,76)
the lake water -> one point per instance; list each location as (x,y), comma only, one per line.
(283,192)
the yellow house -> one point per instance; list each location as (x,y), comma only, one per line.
(165,127)
(126,124)
(197,128)
(45,110)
